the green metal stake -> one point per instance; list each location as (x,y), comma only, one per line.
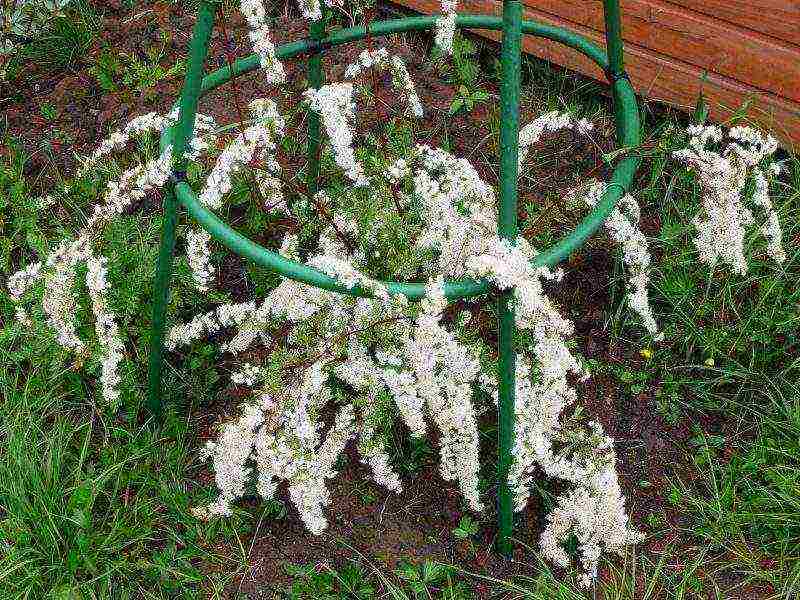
(316,77)
(185,128)
(511,57)
(614,46)
(161,297)
(616,60)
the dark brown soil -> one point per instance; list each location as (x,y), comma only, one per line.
(366,522)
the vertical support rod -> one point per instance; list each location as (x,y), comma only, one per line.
(616,61)
(316,77)
(511,64)
(161,297)
(198,50)
(614,36)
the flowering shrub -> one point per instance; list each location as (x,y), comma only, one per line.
(58,270)
(342,369)
(724,165)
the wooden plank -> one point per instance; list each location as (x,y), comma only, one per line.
(777,18)
(717,46)
(654,75)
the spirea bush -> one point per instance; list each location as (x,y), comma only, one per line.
(725,165)
(340,369)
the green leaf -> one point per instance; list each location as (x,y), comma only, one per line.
(456,106)
(66,592)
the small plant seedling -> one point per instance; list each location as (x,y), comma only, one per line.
(467,527)
(467,99)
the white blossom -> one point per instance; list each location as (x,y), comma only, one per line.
(549,122)
(622,226)
(337,109)
(58,269)
(108,333)
(401,80)
(255,14)
(446,26)
(723,174)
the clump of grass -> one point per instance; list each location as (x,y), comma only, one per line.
(63,42)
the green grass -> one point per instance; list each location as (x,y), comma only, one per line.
(61,43)
(96,505)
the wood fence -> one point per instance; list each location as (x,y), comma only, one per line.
(743,54)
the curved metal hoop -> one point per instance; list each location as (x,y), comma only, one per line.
(627,132)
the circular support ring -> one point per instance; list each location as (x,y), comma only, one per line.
(628,136)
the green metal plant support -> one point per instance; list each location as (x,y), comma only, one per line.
(513,27)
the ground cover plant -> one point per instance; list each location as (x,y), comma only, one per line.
(94,505)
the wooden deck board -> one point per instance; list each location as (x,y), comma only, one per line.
(694,38)
(673,52)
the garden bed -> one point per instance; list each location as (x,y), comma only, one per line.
(53,113)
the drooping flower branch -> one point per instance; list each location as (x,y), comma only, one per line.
(622,226)
(58,270)
(446,26)
(723,167)
(425,365)
(401,80)
(336,105)
(622,223)
(255,14)
(256,141)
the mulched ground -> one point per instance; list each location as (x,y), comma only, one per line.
(417,524)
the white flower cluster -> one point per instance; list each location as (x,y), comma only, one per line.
(106,327)
(336,105)
(258,138)
(282,437)
(593,510)
(622,223)
(226,315)
(723,169)
(622,226)
(256,141)
(148,123)
(59,268)
(446,26)
(249,375)
(255,14)
(549,122)
(420,363)
(401,80)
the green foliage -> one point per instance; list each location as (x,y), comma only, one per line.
(115,71)
(347,583)
(467,528)
(62,40)
(466,99)
(464,72)
(96,504)
(433,580)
